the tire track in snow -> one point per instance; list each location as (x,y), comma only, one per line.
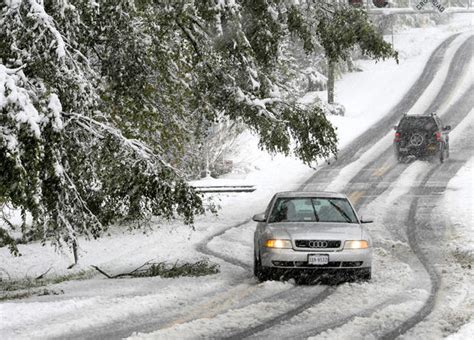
(380,129)
(455,70)
(408,100)
(420,190)
(457,112)
(203,246)
(413,223)
(283,317)
(453,114)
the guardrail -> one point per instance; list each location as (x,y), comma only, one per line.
(224,188)
(409,10)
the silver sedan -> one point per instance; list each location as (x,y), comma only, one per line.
(311,231)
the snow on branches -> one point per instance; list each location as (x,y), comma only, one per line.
(64,165)
(103,103)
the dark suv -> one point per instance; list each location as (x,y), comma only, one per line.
(421,136)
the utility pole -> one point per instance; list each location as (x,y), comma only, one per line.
(392,19)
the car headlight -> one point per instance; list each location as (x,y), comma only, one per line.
(278,244)
(356,244)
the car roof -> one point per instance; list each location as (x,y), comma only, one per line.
(415,116)
(310,194)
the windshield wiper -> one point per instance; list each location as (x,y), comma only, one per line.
(342,212)
(315,213)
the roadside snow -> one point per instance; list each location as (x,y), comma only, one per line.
(466,332)
(459,198)
(459,195)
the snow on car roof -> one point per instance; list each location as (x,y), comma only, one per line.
(311,194)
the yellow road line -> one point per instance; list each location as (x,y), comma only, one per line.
(218,304)
(355,196)
(381,171)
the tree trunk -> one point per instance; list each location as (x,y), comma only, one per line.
(74,251)
(331,65)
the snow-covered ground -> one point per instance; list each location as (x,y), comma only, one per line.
(97,301)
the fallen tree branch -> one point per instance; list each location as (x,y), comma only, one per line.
(102,272)
(132,273)
(151,269)
(43,275)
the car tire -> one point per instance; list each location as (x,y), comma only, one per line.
(400,157)
(441,154)
(364,274)
(262,274)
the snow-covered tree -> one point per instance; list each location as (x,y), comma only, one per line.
(102,101)
(63,161)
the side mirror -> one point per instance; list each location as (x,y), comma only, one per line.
(259,218)
(447,128)
(395,127)
(366,220)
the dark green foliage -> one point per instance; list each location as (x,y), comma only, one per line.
(200,268)
(344,28)
(29,286)
(121,98)
(163,269)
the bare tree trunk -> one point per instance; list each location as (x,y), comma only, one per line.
(331,67)
(74,251)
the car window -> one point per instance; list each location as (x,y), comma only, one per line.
(418,123)
(312,210)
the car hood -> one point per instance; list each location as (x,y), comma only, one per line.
(315,231)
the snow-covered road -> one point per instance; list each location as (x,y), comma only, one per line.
(409,240)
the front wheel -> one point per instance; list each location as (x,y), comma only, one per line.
(364,274)
(261,273)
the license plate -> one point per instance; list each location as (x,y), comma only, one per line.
(318,260)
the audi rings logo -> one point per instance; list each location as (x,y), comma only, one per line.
(318,244)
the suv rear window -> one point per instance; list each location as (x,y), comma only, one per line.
(418,123)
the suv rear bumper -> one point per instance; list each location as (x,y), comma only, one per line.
(429,149)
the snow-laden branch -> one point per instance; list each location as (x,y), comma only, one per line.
(259,104)
(13,95)
(37,11)
(140,149)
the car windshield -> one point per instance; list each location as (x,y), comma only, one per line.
(418,123)
(312,210)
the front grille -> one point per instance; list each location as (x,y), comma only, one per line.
(318,244)
(352,264)
(304,264)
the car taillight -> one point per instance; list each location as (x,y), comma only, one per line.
(397,137)
(438,136)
